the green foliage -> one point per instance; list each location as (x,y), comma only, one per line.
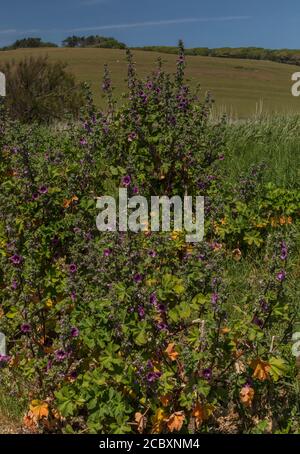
(28,43)
(288,56)
(93,41)
(40,91)
(140,332)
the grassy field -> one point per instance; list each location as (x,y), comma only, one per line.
(240,87)
(272,140)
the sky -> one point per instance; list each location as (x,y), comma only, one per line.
(200,23)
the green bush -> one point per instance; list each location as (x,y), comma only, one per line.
(141,332)
(40,91)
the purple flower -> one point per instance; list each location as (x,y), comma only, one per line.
(16,259)
(132,136)
(74,332)
(249,382)
(207,374)
(137,278)
(49,366)
(264,305)
(211,177)
(281,276)
(87,126)
(35,196)
(214,299)
(73,295)
(4,359)
(181,59)
(152,253)
(83,142)
(73,375)
(43,190)
(126,180)
(60,355)
(161,308)
(149,85)
(258,322)
(14,285)
(106,85)
(201,185)
(107,252)
(73,268)
(284,251)
(161,326)
(135,190)
(221,157)
(89,236)
(141,312)
(153,376)
(153,299)
(25,328)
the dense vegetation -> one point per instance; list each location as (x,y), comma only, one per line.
(93,41)
(288,56)
(40,91)
(143,332)
(28,43)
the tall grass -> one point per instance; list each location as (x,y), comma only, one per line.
(274,140)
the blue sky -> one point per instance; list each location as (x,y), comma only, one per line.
(212,23)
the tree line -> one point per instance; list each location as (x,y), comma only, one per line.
(70,41)
(288,56)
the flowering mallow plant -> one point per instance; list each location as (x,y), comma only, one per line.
(143,331)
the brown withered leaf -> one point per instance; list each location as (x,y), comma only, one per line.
(247,395)
(261,369)
(165,399)
(175,421)
(171,352)
(141,421)
(39,409)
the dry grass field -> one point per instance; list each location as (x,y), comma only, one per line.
(241,87)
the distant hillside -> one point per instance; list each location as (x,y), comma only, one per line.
(288,56)
(240,87)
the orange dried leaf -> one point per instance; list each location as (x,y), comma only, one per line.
(166,399)
(225,330)
(171,352)
(199,414)
(246,396)
(261,369)
(175,421)
(39,409)
(141,421)
(67,203)
(29,421)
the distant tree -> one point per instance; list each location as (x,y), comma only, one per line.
(72,41)
(40,91)
(29,43)
(93,41)
(254,53)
